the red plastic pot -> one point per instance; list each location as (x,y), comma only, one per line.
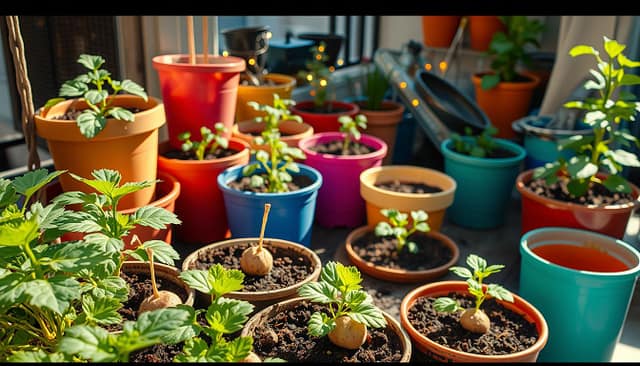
(538,211)
(324,122)
(201,206)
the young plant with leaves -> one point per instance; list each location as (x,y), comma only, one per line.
(480,146)
(398,226)
(376,85)
(475,319)
(318,74)
(210,141)
(349,309)
(594,153)
(224,316)
(93,87)
(350,129)
(275,113)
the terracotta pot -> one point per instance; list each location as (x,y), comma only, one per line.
(445,354)
(199,94)
(439,30)
(123,146)
(201,206)
(292,132)
(164,271)
(260,299)
(481,30)
(168,190)
(539,211)
(400,275)
(324,122)
(263,94)
(434,204)
(383,124)
(257,319)
(506,102)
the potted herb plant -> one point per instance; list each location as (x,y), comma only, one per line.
(197,166)
(401,250)
(272,84)
(485,169)
(587,190)
(472,321)
(333,320)
(322,114)
(340,157)
(106,128)
(503,93)
(276,178)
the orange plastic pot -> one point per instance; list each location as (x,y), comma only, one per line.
(127,147)
(199,94)
(439,30)
(291,132)
(324,122)
(399,275)
(481,30)
(201,206)
(279,84)
(506,102)
(445,354)
(383,124)
(539,211)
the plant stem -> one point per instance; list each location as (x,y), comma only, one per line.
(153,273)
(267,207)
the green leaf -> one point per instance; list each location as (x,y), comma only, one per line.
(155,217)
(578,187)
(575,142)
(476,263)
(91,62)
(53,101)
(32,181)
(616,183)
(102,310)
(38,356)
(19,233)
(55,293)
(321,292)
(120,113)
(489,81)
(499,292)
(630,79)
(132,87)
(228,315)
(187,326)
(582,50)
(423,227)
(383,229)
(130,187)
(494,268)
(624,61)
(320,324)
(111,286)
(461,271)
(239,348)
(162,252)
(13,288)
(581,167)
(369,314)
(90,123)
(446,305)
(624,157)
(72,89)
(90,343)
(96,96)
(162,322)
(612,47)
(217,281)
(262,156)
(194,350)
(419,215)
(8,194)
(344,278)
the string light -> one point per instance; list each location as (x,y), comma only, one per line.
(320,48)
(332,69)
(443,66)
(225,53)
(415,102)
(323,82)
(269,35)
(340,62)
(403,84)
(428,67)
(252,61)
(309,77)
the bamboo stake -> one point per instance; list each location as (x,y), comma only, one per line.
(205,38)
(191,40)
(267,207)
(216,53)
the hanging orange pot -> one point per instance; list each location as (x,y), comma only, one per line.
(481,30)
(439,30)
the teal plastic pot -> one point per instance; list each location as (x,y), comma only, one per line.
(484,184)
(582,282)
(290,217)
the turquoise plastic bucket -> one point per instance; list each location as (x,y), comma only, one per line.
(291,214)
(485,185)
(585,309)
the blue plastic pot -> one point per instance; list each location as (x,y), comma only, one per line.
(484,184)
(291,215)
(582,282)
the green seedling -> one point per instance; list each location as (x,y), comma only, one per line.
(275,113)
(210,141)
(481,146)
(318,74)
(398,226)
(349,128)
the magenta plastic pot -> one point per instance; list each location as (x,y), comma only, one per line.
(339,202)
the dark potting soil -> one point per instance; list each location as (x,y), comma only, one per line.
(381,251)
(325,109)
(72,113)
(335,148)
(158,353)
(259,133)
(289,268)
(244,184)
(285,336)
(500,153)
(190,155)
(408,187)
(509,331)
(597,195)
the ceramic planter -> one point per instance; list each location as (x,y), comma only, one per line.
(506,102)
(383,124)
(434,204)
(291,216)
(400,275)
(582,282)
(324,122)
(485,185)
(539,211)
(260,299)
(439,30)
(279,84)
(123,146)
(291,132)
(265,314)
(445,354)
(199,94)
(339,202)
(201,206)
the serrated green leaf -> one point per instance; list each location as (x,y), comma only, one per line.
(13,288)
(216,281)
(239,348)
(54,294)
(132,87)
(228,315)
(419,215)
(162,322)
(494,268)
(91,123)
(30,182)
(72,89)
(162,251)
(120,113)
(321,292)
(75,256)
(194,350)
(446,305)
(423,227)
(105,243)
(383,229)
(7,193)
(91,62)
(111,286)
(38,356)
(90,343)
(19,233)
(187,328)
(96,96)
(499,292)
(616,183)
(368,314)
(320,324)
(101,310)
(489,81)
(72,198)
(262,156)
(581,167)
(476,263)
(155,217)
(461,271)
(575,142)
(624,157)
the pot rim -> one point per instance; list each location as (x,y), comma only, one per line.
(379,146)
(450,153)
(165,146)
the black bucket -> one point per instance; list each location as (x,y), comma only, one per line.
(247,43)
(333,43)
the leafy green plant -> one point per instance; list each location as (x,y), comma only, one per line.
(509,48)
(349,128)
(349,309)
(481,146)
(318,75)
(210,140)
(475,319)
(398,226)
(224,316)
(376,86)
(276,113)
(92,86)
(603,114)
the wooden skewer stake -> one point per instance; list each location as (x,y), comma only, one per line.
(267,207)
(153,273)
(191,40)
(215,36)
(205,38)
